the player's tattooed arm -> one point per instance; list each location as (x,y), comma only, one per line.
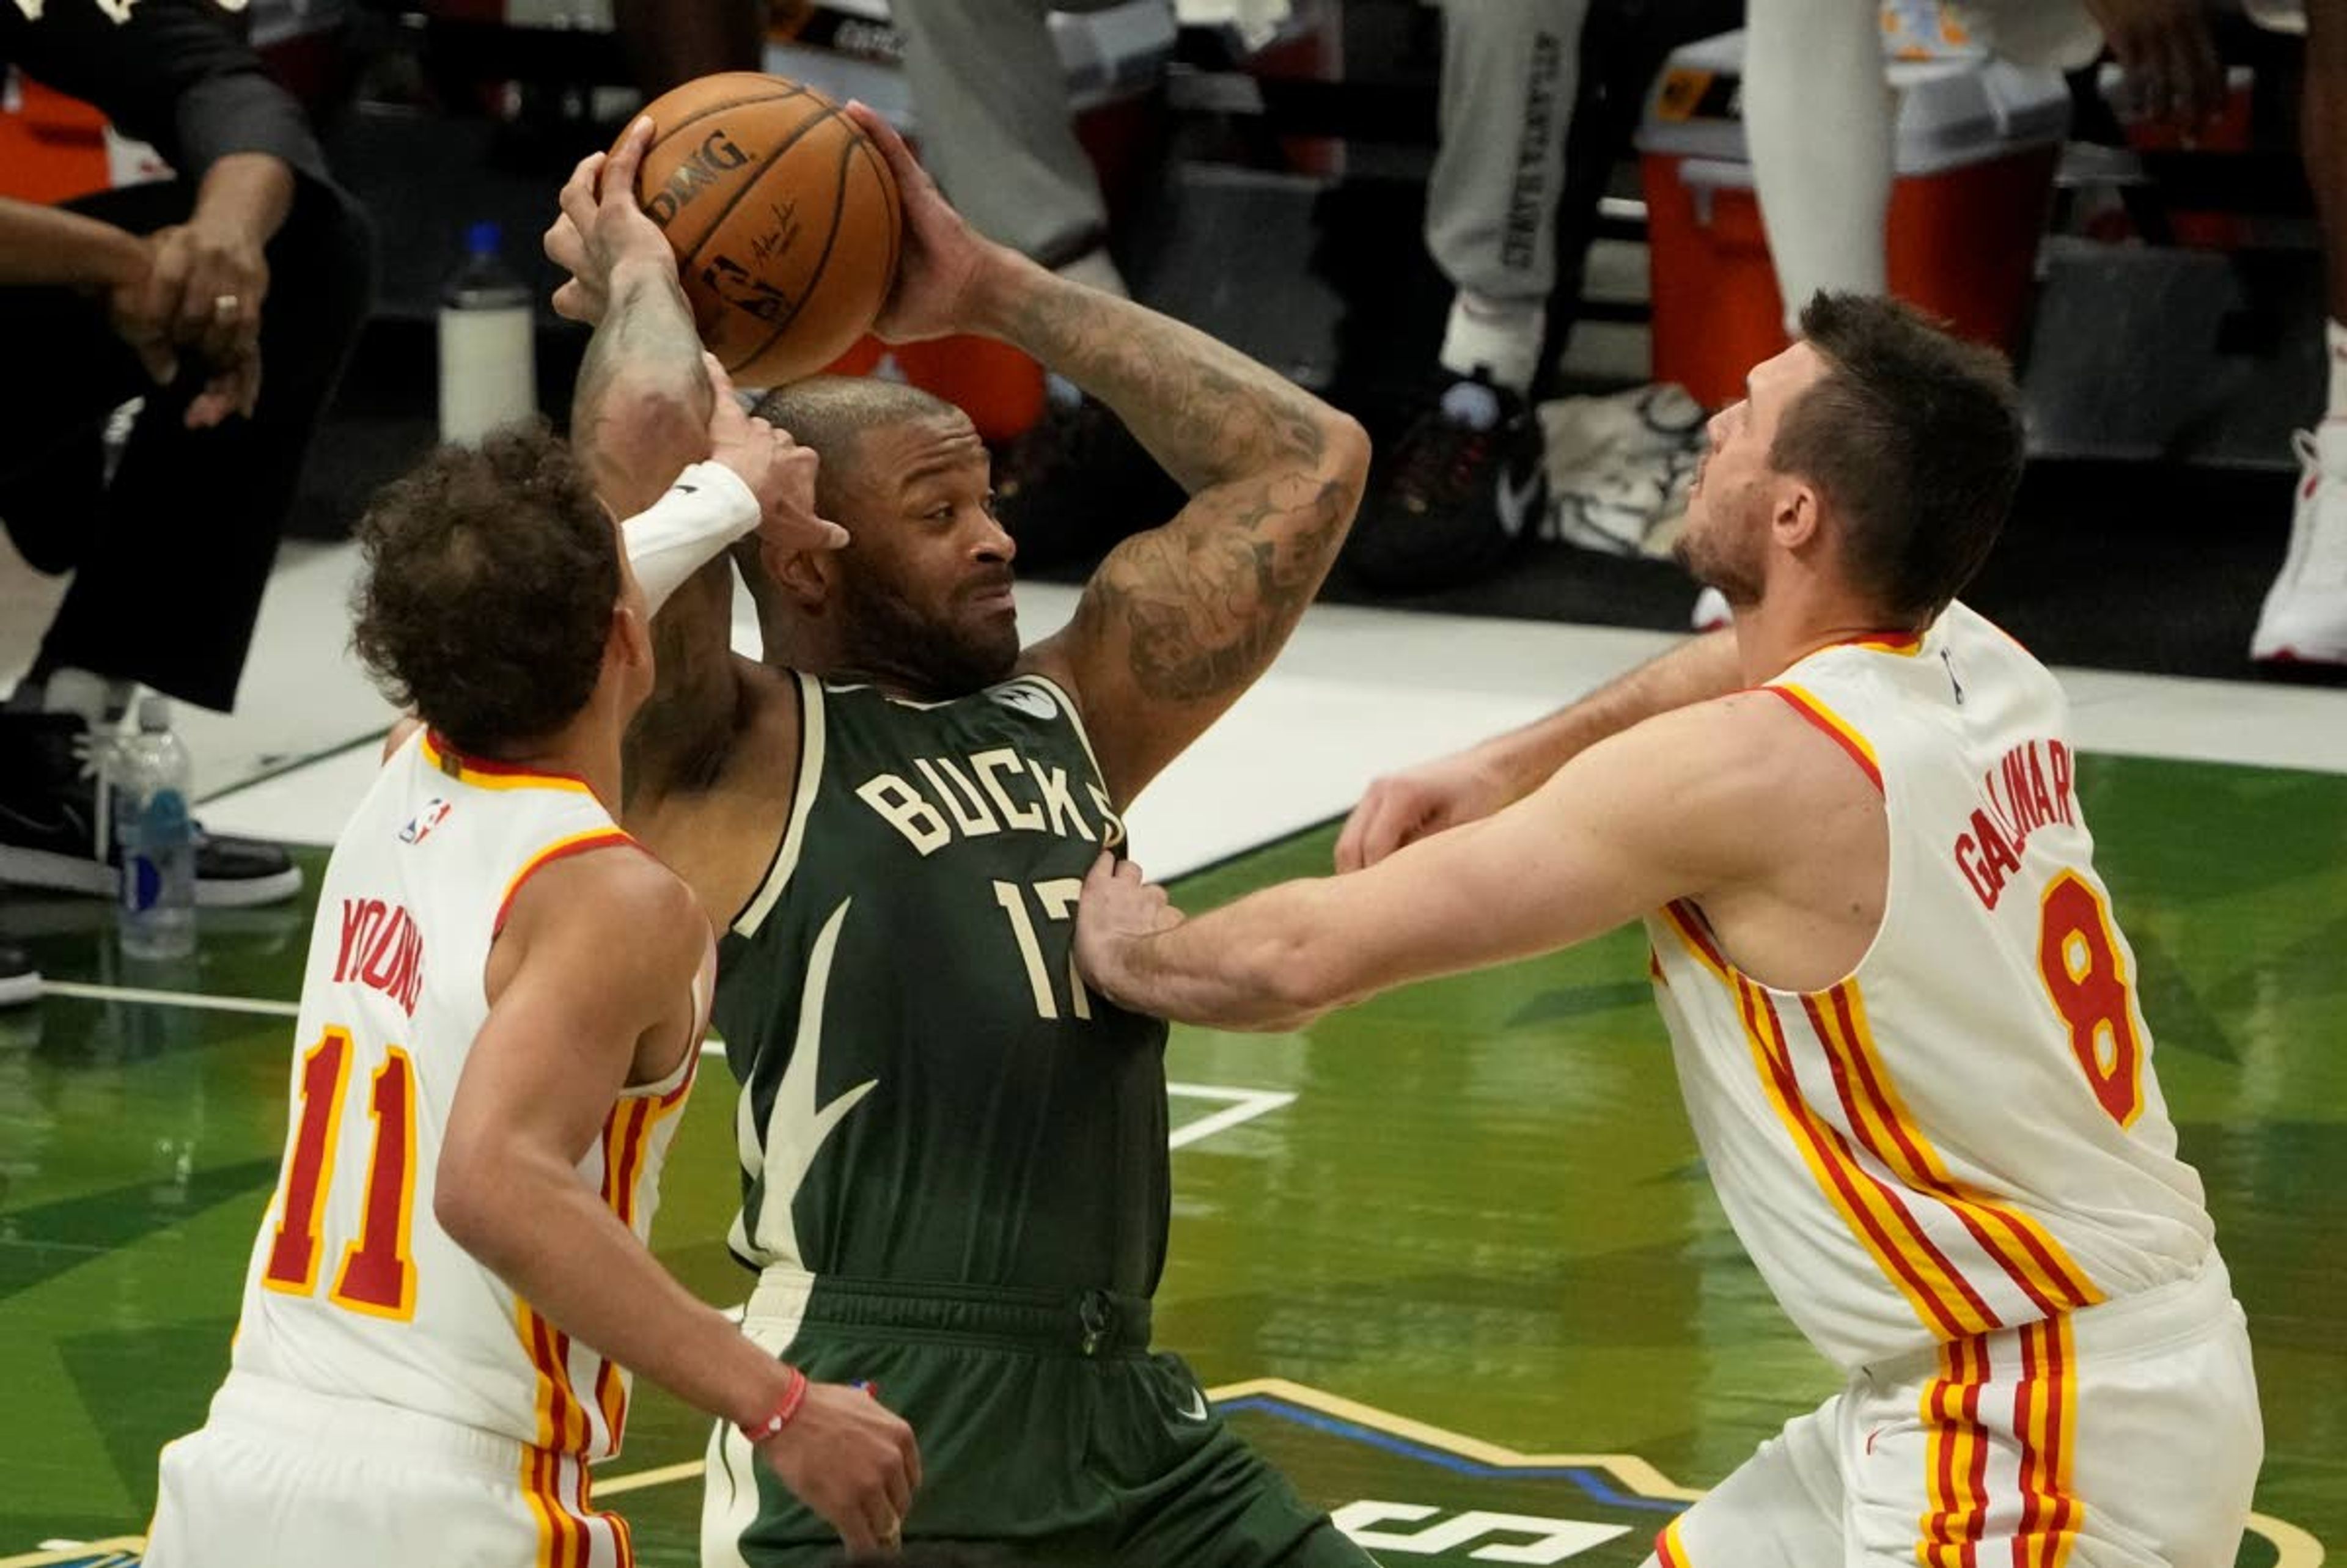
(640,410)
(1180,619)
(640,413)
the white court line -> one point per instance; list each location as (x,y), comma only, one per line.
(170,998)
(1246,1104)
(1243,1104)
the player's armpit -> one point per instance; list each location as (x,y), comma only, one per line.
(598,952)
(682,732)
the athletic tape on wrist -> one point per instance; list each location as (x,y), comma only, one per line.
(706,509)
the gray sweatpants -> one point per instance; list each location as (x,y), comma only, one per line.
(993,108)
(1510,71)
(994,129)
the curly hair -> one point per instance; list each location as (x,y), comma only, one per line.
(491,573)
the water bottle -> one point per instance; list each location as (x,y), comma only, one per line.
(149,778)
(488,364)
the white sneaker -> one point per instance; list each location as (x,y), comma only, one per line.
(1710,610)
(2305,616)
(1613,510)
(1587,432)
(1619,467)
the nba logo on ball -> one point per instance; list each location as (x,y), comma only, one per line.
(783,215)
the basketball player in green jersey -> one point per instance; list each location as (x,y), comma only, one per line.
(954,1158)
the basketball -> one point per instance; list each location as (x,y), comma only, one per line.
(784,218)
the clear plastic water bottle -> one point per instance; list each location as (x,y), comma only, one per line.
(488,364)
(150,778)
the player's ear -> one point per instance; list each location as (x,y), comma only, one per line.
(630,644)
(1798,516)
(805,577)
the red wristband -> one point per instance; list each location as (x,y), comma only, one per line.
(793,1397)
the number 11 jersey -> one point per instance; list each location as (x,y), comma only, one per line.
(353,1289)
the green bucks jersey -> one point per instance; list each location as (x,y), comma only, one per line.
(929,1093)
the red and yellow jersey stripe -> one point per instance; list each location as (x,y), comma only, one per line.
(561,850)
(1974,1461)
(2019,1245)
(1933,1238)
(1835,729)
(484,774)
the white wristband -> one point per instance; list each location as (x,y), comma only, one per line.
(706,509)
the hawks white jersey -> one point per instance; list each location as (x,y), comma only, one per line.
(1966,1133)
(354,1288)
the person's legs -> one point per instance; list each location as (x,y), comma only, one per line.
(1818,123)
(73,373)
(1465,483)
(2305,612)
(1187,1488)
(189,530)
(990,99)
(1779,1509)
(1510,77)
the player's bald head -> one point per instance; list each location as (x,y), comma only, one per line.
(832,414)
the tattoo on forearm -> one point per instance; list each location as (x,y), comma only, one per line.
(1203,604)
(1204,609)
(646,331)
(1204,410)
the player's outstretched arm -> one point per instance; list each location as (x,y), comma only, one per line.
(640,410)
(1180,619)
(597,960)
(1467,787)
(1678,808)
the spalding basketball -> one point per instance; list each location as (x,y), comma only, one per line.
(784,218)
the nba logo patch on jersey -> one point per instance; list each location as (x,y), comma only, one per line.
(1033,701)
(420,825)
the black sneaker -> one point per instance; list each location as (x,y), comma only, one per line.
(1465,484)
(1076,483)
(19,981)
(54,831)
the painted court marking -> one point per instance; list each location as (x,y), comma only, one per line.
(1238,1104)
(1636,1477)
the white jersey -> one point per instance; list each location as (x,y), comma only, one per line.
(354,1288)
(1966,1133)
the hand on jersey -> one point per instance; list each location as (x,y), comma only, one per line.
(601,228)
(943,256)
(1404,807)
(1118,908)
(778,470)
(850,1459)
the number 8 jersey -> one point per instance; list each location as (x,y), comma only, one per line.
(1966,1133)
(353,1289)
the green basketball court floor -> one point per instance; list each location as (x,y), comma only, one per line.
(1450,1257)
